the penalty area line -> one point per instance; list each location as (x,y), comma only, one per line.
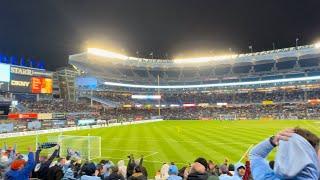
(152,154)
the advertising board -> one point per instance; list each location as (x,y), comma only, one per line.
(20,83)
(41,85)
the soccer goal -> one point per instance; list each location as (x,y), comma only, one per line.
(86,147)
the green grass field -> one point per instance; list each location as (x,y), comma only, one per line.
(180,141)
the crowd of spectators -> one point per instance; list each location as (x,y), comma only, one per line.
(83,110)
(297,157)
(230,97)
(58,106)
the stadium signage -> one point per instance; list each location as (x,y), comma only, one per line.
(20,83)
(21,71)
(156,61)
(29,72)
(45,116)
(23,116)
(21,62)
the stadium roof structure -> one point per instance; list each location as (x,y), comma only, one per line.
(113,69)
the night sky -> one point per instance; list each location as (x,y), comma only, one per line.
(51,30)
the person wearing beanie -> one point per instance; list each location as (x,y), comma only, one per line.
(297,156)
(173,173)
(230,169)
(20,169)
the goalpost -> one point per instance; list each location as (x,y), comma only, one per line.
(87,147)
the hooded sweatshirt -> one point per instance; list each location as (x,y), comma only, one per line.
(164,171)
(295,159)
(122,168)
(236,175)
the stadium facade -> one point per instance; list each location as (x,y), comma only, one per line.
(295,65)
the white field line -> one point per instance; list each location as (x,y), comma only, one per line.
(152,154)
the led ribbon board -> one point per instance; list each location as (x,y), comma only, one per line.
(213,85)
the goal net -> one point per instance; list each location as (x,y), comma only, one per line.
(86,147)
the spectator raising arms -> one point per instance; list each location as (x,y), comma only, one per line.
(296,157)
(20,168)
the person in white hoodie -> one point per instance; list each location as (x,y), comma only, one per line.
(164,171)
(122,168)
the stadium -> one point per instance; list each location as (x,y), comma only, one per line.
(233,94)
(109,115)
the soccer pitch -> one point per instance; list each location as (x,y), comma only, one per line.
(179,141)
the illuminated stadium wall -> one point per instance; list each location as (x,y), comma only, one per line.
(296,65)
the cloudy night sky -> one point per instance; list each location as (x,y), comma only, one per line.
(50,30)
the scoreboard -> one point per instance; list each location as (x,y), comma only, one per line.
(19,79)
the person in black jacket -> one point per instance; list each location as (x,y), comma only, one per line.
(55,172)
(137,175)
(43,164)
(132,164)
(115,175)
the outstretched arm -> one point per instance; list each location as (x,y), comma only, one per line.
(259,166)
(141,161)
(30,164)
(38,155)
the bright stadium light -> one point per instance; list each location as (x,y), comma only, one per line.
(213,85)
(206,59)
(108,54)
(317,45)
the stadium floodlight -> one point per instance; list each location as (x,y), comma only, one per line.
(206,59)
(317,45)
(214,85)
(108,54)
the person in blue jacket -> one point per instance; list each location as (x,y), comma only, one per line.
(239,171)
(297,156)
(20,169)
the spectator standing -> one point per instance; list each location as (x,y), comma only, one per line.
(20,169)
